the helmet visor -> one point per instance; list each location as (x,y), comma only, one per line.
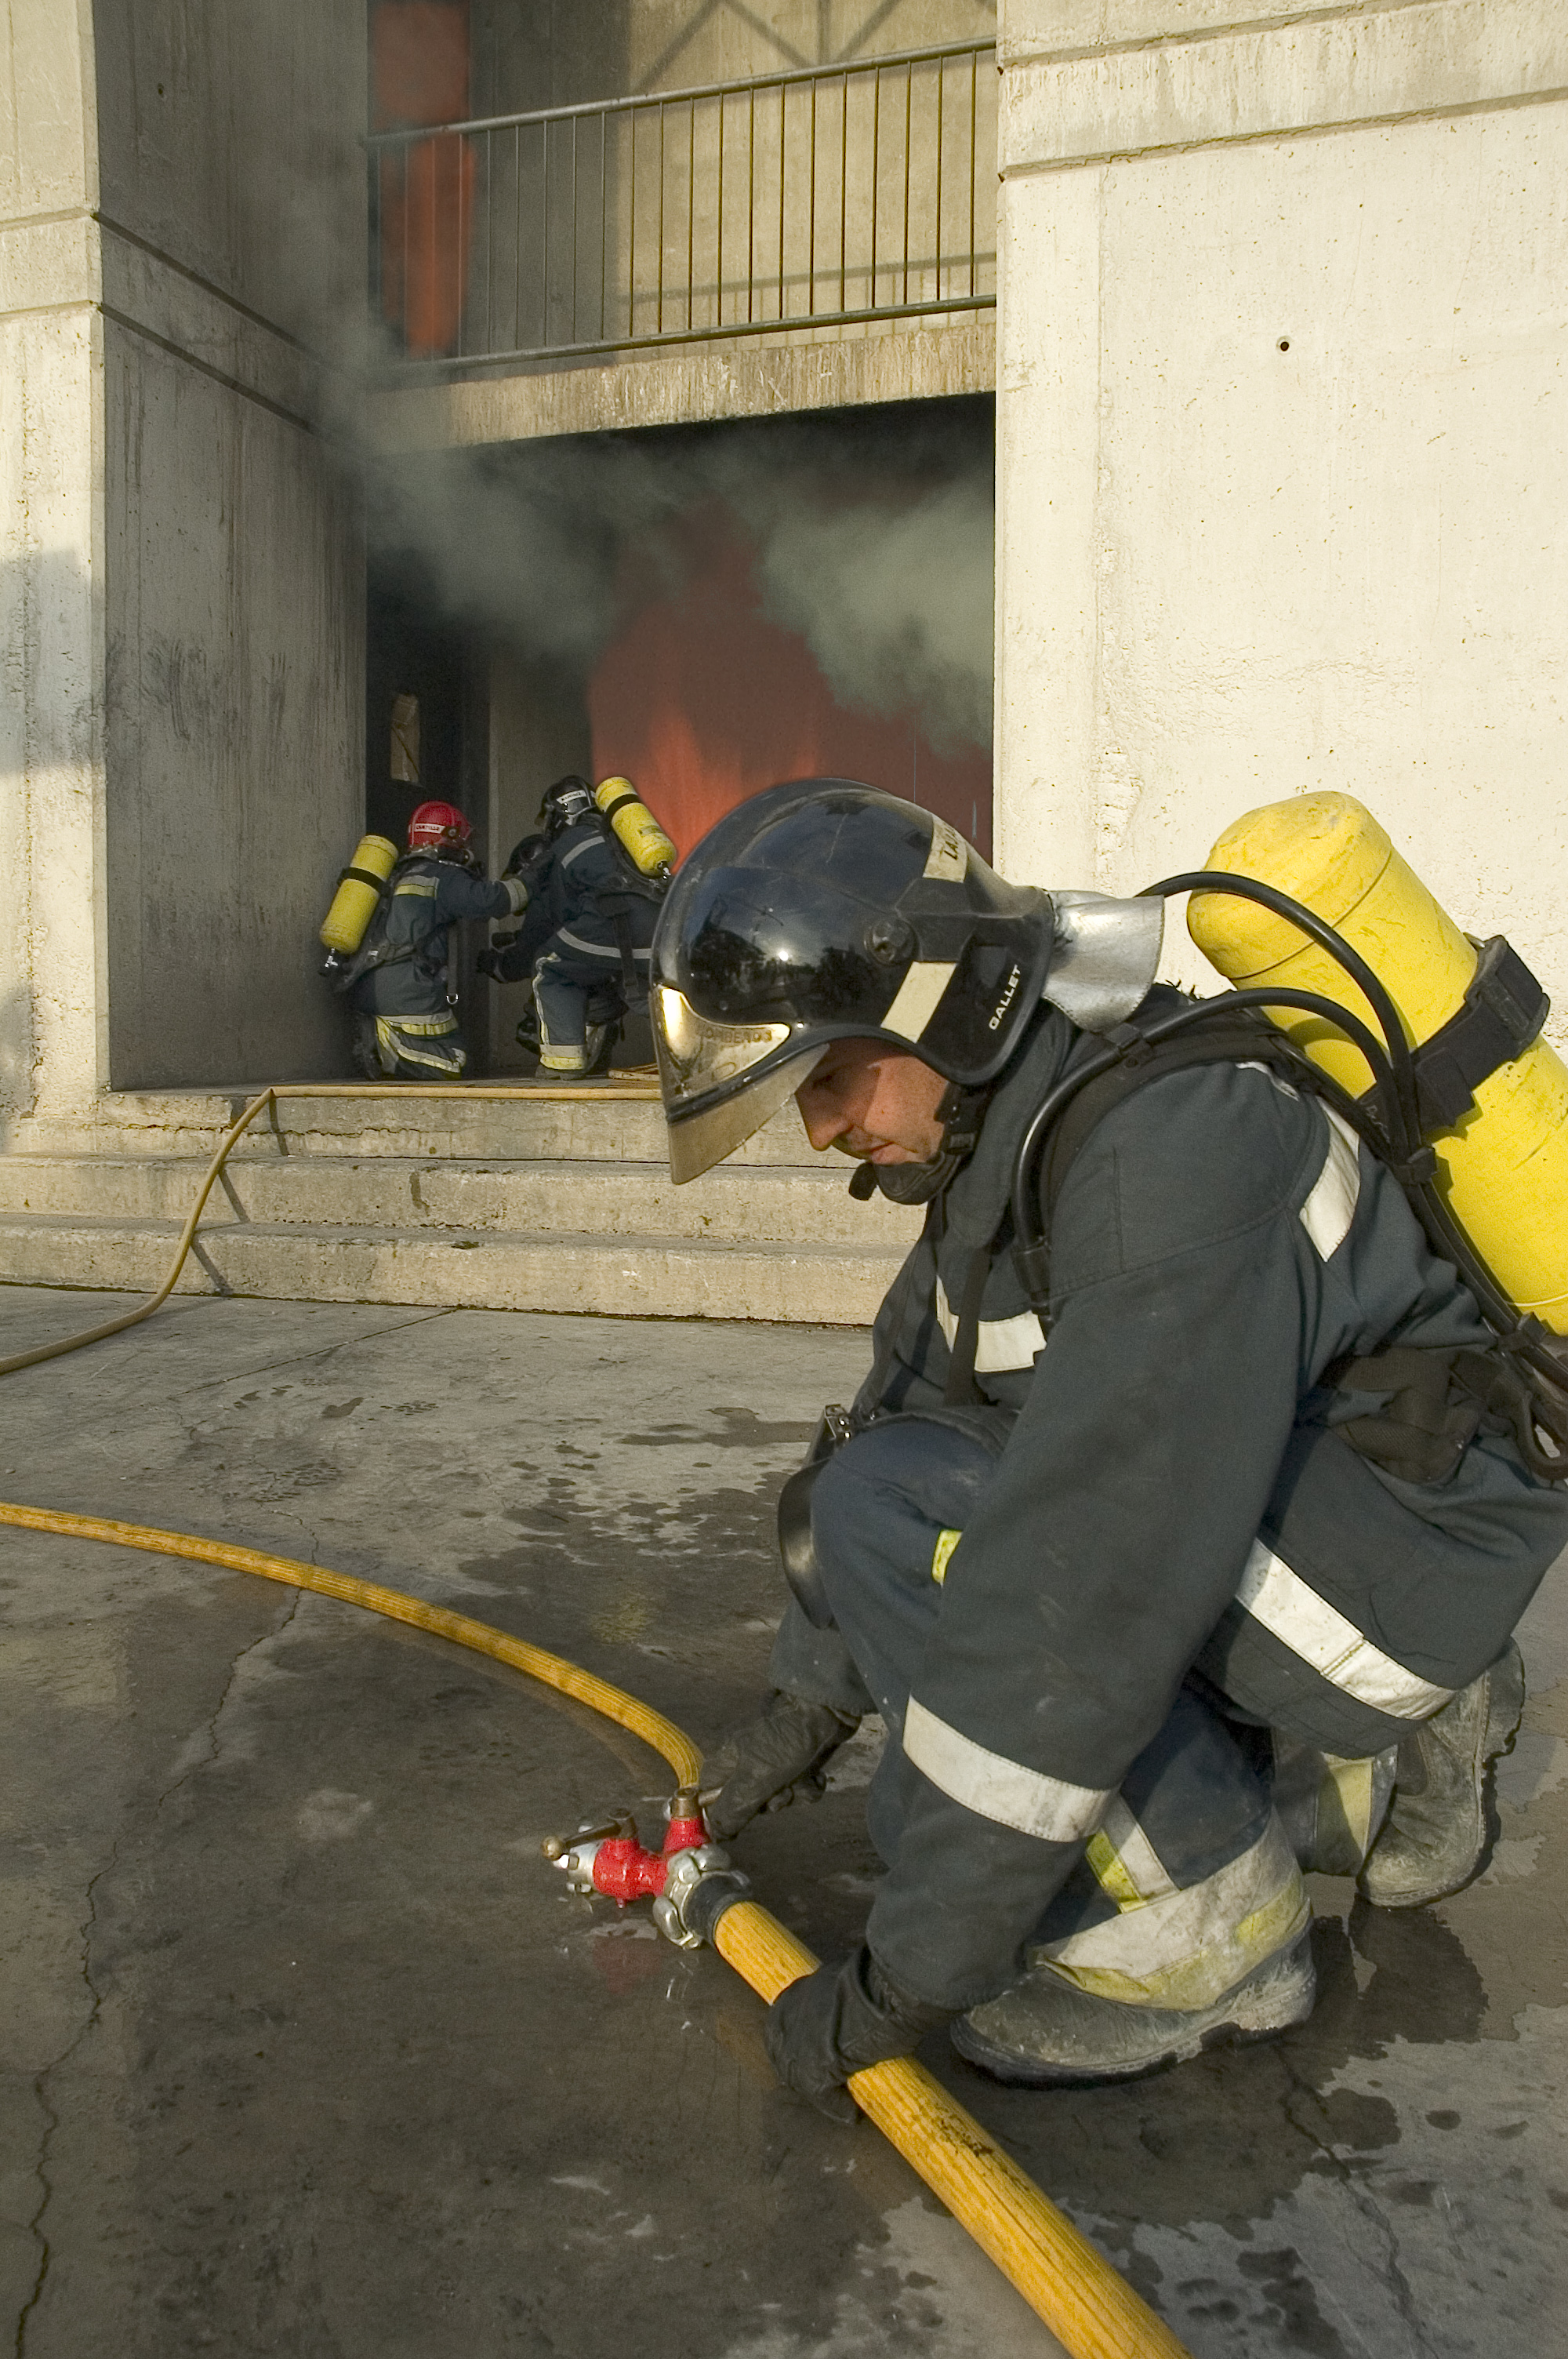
(710,1108)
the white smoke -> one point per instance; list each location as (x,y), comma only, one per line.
(895,604)
(876,546)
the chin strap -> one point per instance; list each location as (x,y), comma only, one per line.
(961,1113)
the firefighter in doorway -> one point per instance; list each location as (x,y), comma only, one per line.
(585,943)
(397,982)
(1213,1586)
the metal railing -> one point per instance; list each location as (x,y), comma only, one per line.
(815,198)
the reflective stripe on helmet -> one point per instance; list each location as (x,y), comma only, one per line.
(914,1003)
(1004,1343)
(1313,1629)
(997,1788)
(949,854)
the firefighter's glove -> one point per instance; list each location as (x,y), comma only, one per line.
(776,1760)
(839,2020)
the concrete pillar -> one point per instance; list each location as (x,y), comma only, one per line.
(51,599)
(1282,341)
(182,722)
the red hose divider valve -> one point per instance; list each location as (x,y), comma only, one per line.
(610,1860)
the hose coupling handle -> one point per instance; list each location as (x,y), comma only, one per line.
(699,1885)
(576,1855)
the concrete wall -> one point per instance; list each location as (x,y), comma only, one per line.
(533,53)
(910,361)
(233,202)
(1281,368)
(181,217)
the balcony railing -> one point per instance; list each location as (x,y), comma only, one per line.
(811,199)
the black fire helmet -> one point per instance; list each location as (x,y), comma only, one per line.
(827,910)
(564,803)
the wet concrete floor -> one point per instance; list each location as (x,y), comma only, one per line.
(304,2050)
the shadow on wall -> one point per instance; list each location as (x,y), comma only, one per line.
(49,713)
(15,1060)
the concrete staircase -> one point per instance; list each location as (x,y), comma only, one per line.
(543,1201)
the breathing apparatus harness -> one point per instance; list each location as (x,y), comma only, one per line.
(375,951)
(571,803)
(1437,1399)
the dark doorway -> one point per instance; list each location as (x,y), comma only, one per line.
(417,692)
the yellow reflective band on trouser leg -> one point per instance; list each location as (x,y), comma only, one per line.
(947,1541)
(1185,1950)
(396,1037)
(1361,1791)
(1334,1807)
(558,1056)
(1124,1862)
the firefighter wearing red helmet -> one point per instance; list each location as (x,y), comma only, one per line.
(397,982)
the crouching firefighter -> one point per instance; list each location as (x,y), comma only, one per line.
(1177,1553)
(398,981)
(592,905)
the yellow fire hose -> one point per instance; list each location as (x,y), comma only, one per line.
(1091,2310)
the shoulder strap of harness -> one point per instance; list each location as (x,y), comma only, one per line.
(1241,1038)
(1434,1401)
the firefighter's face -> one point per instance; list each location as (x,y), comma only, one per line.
(873,1101)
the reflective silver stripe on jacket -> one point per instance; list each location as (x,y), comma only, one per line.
(1313,1629)
(1329,1209)
(597,949)
(1004,1343)
(997,1788)
(590,843)
(417,888)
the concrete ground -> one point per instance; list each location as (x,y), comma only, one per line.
(307,2052)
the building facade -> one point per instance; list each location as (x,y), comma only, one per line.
(1277,353)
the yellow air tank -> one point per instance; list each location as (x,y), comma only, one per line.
(1503,1167)
(355,900)
(634,823)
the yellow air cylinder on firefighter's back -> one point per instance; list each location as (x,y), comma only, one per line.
(1503,1168)
(354,902)
(634,823)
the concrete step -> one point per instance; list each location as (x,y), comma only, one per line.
(752,1205)
(469,1123)
(474,1196)
(647,1277)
